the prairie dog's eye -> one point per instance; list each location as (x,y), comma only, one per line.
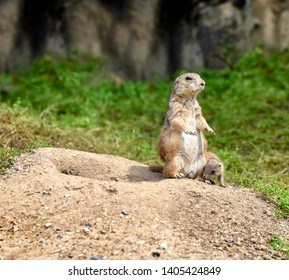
(188,78)
(214,171)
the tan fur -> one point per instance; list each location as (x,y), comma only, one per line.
(214,168)
(181,144)
(160,168)
(202,124)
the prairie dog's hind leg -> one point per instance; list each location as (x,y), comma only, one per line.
(173,168)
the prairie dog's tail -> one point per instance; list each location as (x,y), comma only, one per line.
(156,168)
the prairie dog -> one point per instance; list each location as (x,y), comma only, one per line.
(181,144)
(214,168)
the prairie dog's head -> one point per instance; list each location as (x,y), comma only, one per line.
(188,85)
(212,169)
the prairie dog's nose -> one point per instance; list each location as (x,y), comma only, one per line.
(202,83)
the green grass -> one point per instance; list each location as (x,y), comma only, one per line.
(74,103)
(278,243)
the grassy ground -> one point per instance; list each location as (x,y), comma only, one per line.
(72,104)
(278,243)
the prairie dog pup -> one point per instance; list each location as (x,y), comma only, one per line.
(214,168)
(181,144)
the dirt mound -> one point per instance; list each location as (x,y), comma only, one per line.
(64,204)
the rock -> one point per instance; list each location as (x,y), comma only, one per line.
(124,212)
(15,228)
(238,243)
(95,258)
(272,251)
(164,246)
(48,225)
(86,224)
(138,38)
(230,240)
(70,255)
(254,240)
(156,254)
(68,201)
(86,230)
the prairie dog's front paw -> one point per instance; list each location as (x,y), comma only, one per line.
(179,176)
(191,132)
(210,130)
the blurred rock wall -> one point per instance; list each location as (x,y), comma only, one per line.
(141,38)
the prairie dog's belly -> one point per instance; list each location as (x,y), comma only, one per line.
(191,149)
(190,143)
(191,153)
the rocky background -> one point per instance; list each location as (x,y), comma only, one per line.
(140,39)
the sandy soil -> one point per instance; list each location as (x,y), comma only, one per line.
(64,204)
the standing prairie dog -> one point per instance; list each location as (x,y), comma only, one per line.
(214,168)
(181,144)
